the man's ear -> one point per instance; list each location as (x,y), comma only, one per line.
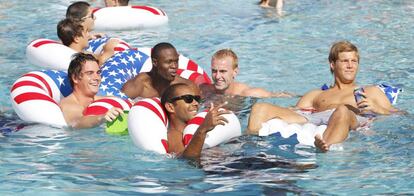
(236,71)
(75,79)
(169,107)
(154,62)
(332,67)
(76,39)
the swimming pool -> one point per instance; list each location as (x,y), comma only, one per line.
(288,53)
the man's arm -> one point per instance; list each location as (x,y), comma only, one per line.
(213,118)
(74,117)
(134,87)
(108,51)
(375,101)
(262,93)
(306,102)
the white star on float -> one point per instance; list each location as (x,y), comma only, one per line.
(138,56)
(121,94)
(114,63)
(89,48)
(134,71)
(121,71)
(124,61)
(109,93)
(104,87)
(104,68)
(60,79)
(131,59)
(112,73)
(119,81)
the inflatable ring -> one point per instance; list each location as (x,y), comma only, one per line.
(40,91)
(52,54)
(129,17)
(148,127)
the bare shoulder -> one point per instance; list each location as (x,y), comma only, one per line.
(307,100)
(180,79)
(71,109)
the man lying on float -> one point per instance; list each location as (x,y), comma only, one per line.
(335,107)
(85,77)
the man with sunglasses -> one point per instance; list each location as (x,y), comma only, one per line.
(75,36)
(181,102)
(164,58)
(85,76)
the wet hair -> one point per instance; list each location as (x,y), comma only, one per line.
(123,2)
(78,10)
(68,30)
(171,92)
(156,50)
(341,46)
(227,52)
(76,64)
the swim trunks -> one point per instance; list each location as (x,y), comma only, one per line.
(322,118)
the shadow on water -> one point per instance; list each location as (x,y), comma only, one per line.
(10,123)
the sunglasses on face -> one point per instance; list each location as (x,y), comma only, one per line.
(187,98)
(92,16)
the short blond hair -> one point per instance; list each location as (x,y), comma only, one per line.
(227,52)
(341,46)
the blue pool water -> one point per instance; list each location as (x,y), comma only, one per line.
(277,53)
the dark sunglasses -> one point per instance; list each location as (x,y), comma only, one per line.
(187,98)
(92,16)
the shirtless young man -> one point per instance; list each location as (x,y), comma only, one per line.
(163,74)
(335,107)
(75,36)
(84,76)
(224,69)
(181,102)
(82,12)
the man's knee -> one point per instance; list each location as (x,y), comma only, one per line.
(343,112)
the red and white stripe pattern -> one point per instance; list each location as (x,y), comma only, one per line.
(101,106)
(192,127)
(148,125)
(35,97)
(129,17)
(220,134)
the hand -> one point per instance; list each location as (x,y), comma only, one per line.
(96,35)
(214,117)
(111,44)
(367,105)
(112,113)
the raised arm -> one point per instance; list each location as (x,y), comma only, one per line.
(213,118)
(108,51)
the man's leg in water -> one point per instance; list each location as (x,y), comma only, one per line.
(262,112)
(341,121)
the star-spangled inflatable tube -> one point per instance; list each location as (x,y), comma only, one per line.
(129,17)
(36,95)
(148,122)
